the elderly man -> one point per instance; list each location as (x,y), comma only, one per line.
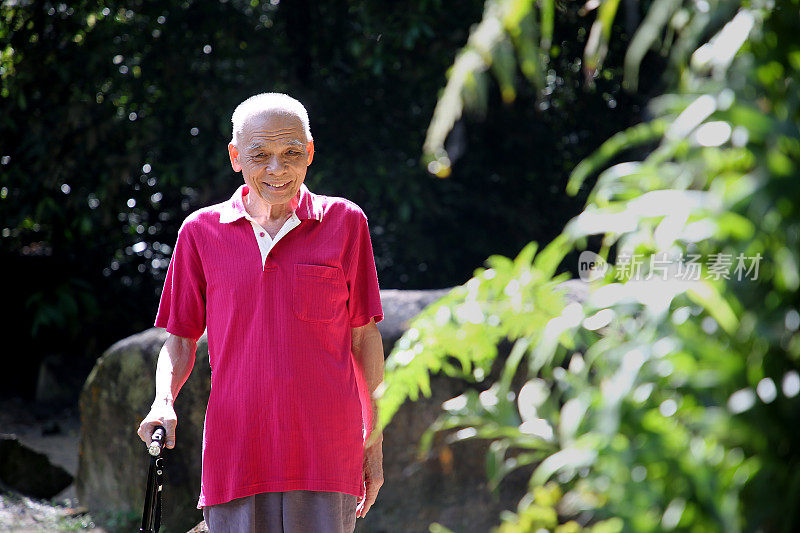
(284,282)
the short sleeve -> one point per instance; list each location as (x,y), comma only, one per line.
(364,300)
(182,309)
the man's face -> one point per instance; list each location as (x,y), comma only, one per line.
(273,155)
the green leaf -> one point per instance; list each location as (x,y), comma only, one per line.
(624,140)
(647,34)
(597,43)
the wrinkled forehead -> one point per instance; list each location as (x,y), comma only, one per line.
(276,125)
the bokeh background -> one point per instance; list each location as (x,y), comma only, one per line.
(464,130)
(116,119)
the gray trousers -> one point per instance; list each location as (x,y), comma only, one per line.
(296,511)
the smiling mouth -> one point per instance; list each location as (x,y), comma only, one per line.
(278,187)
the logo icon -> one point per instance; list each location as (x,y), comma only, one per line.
(591,266)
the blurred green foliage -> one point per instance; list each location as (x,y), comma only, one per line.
(115,119)
(661,392)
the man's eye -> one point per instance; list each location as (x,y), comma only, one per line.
(293,152)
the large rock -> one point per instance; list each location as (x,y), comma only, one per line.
(59,381)
(399,307)
(113,462)
(29,472)
(448,487)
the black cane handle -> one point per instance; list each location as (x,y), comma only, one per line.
(157,441)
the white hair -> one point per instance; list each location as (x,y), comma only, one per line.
(270,103)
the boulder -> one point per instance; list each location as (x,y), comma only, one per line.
(112,460)
(449,486)
(59,380)
(29,472)
(399,308)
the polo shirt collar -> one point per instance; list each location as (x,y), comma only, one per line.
(308,206)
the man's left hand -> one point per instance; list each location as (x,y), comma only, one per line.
(373,477)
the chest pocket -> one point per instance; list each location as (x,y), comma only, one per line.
(318,292)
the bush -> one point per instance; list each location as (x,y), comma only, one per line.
(663,397)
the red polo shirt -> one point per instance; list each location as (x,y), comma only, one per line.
(286,403)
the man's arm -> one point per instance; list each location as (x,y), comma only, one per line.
(367,347)
(175,363)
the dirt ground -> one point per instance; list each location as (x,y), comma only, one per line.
(54,432)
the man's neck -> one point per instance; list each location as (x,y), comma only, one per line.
(265,213)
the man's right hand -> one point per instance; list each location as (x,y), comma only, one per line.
(163,415)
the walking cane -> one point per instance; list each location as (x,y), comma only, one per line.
(151,515)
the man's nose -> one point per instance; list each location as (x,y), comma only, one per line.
(274,164)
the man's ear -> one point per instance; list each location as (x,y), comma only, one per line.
(233,152)
(310,150)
